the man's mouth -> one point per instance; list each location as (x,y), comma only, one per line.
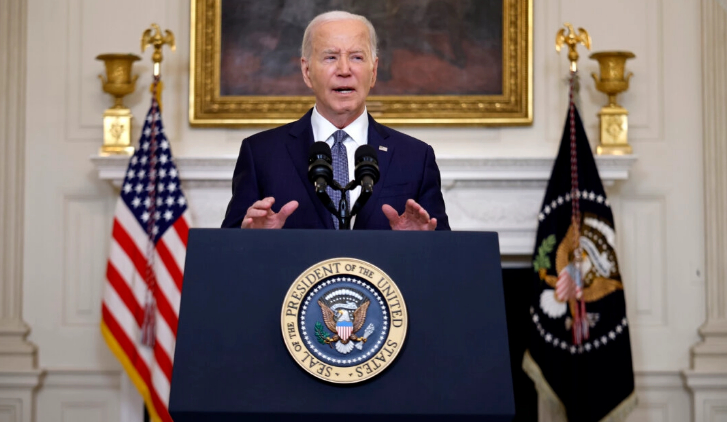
(344,90)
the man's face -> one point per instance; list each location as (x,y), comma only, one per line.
(341,70)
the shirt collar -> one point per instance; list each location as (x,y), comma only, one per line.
(357,130)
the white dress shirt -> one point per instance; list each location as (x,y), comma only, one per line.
(357,131)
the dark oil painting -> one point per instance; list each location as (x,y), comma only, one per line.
(426,47)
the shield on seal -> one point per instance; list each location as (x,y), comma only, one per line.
(344,328)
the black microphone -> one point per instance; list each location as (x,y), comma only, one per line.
(366,173)
(367,167)
(320,172)
(320,165)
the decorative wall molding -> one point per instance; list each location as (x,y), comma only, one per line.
(709,391)
(17,389)
(76,128)
(11,410)
(711,354)
(15,351)
(82,378)
(707,378)
(644,264)
(18,378)
(86,225)
(81,395)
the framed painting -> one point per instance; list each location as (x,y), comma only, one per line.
(441,62)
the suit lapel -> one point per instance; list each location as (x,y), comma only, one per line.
(378,138)
(299,142)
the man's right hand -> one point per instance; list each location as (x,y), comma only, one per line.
(261,216)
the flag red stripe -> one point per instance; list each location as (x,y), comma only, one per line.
(124,292)
(126,344)
(130,350)
(165,308)
(182,229)
(159,405)
(170,263)
(128,245)
(166,311)
(163,361)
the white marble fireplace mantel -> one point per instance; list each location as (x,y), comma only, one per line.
(493,194)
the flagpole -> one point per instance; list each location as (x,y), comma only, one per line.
(571,38)
(155,39)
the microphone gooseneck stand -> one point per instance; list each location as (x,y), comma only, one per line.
(320,172)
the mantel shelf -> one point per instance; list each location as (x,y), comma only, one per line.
(453,169)
(492,194)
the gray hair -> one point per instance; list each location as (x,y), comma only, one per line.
(336,15)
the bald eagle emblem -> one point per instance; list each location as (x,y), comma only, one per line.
(344,314)
(597,277)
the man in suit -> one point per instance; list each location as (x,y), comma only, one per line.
(270,187)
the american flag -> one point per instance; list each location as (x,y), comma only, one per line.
(141,298)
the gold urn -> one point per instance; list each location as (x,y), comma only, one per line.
(613,118)
(117,119)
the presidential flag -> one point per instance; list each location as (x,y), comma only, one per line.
(146,260)
(579,352)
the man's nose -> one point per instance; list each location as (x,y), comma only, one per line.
(344,67)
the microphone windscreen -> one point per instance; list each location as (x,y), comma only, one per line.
(366,151)
(319,149)
(367,164)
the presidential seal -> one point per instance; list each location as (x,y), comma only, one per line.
(344,320)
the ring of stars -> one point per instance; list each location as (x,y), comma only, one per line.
(588,346)
(565,200)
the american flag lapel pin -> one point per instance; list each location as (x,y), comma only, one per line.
(383,148)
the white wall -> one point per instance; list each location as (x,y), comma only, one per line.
(658,211)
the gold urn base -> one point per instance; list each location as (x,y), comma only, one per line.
(614,131)
(117,132)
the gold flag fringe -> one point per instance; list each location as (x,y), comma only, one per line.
(618,414)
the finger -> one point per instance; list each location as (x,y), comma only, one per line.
(390,214)
(246,223)
(432,224)
(423,215)
(288,209)
(412,208)
(256,213)
(264,204)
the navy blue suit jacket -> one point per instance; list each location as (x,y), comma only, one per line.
(275,163)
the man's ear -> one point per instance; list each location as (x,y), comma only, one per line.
(305,70)
(373,74)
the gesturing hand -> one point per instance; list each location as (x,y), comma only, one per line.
(261,216)
(414,217)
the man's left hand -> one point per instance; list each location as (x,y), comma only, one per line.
(414,217)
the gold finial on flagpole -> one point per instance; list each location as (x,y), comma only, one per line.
(157,40)
(572,39)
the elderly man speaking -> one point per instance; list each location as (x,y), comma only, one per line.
(270,186)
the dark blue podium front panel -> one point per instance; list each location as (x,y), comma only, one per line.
(231,362)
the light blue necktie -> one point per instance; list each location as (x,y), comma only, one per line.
(340,170)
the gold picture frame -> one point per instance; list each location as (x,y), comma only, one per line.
(511,106)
